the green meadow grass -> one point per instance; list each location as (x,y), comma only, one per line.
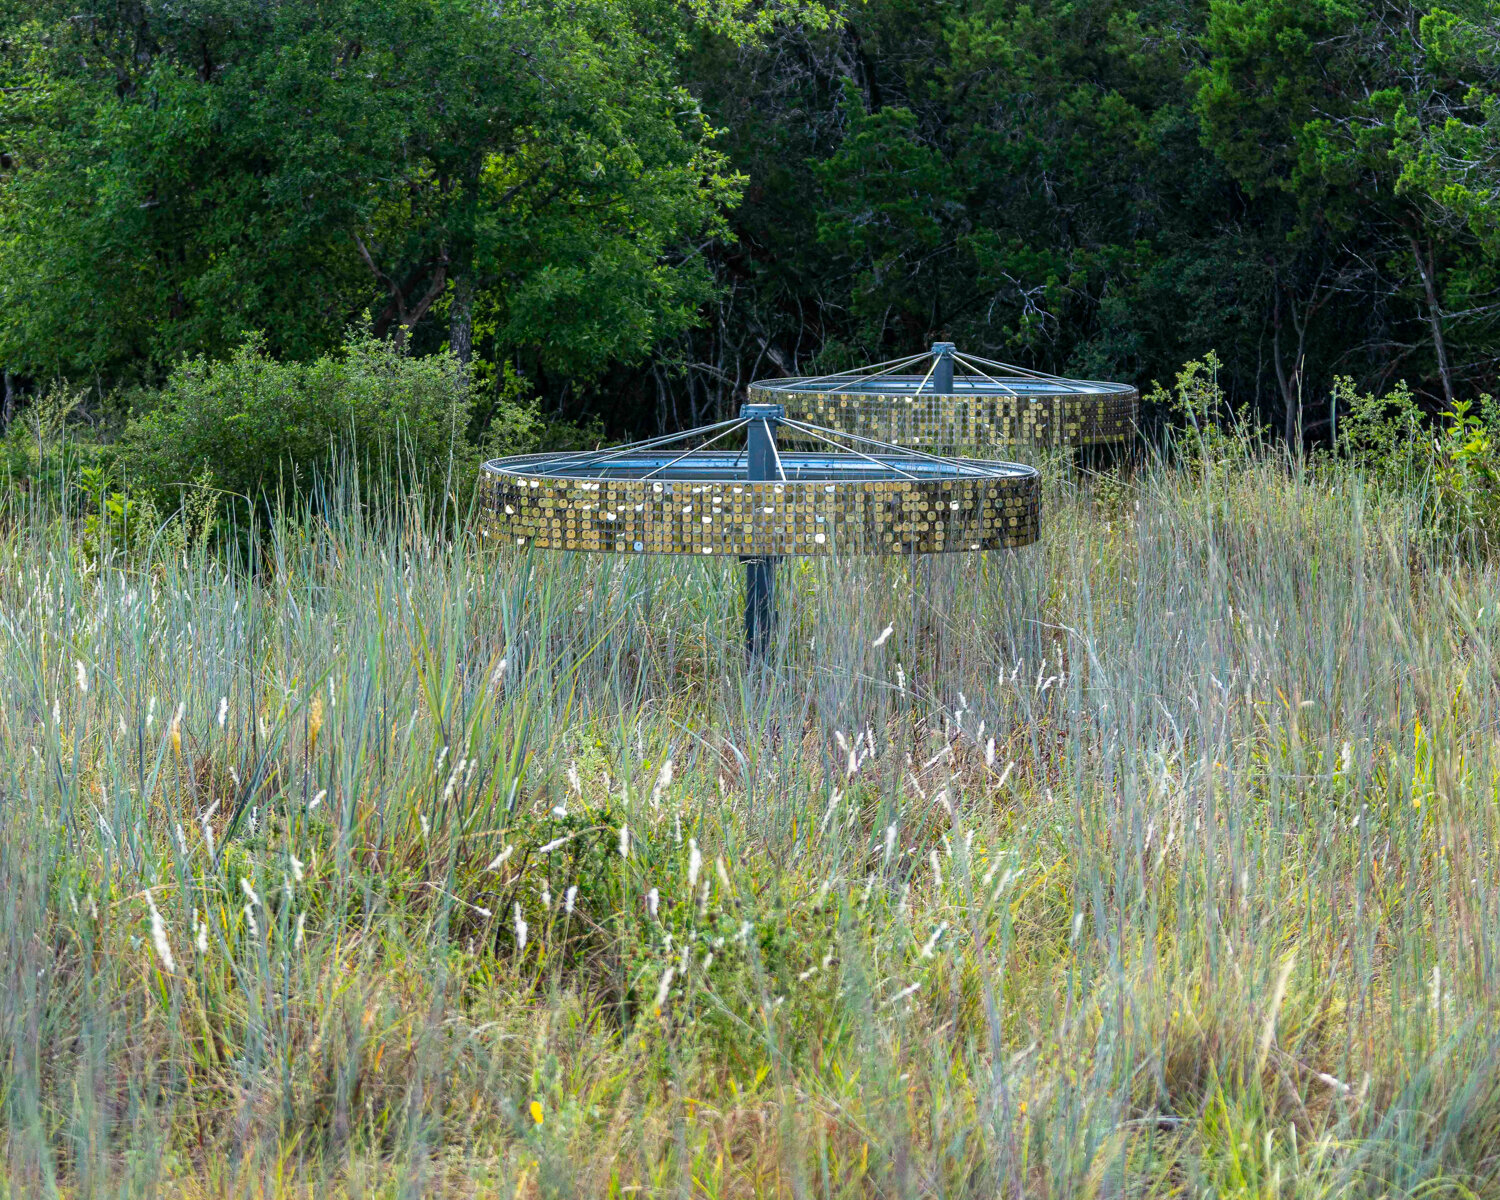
(1159,859)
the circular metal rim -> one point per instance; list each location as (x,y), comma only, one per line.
(719,467)
(734,517)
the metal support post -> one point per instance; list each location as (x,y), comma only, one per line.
(942,371)
(760,573)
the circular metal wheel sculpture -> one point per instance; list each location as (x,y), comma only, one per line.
(944,399)
(757,503)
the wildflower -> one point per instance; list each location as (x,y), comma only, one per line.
(653,902)
(663,988)
(453,779)
(314,721)
(297,865)
(905,992)
(695,863)
(663,782)
(223,710)
(885,635)
(301,924)
(546,898)
(82,676)
(250,920)
(937,871)
(890,842)
(159,935)
(937,934)
(200,937)
(624,841)
(499,860)
(989,753)
(521,928)
(723,872)
(553,845)
(568,898)
(177,729)
(249,891)
(536,1111)
(181,840)
(573,781)
(317,800)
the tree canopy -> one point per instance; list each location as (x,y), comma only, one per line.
(645,203)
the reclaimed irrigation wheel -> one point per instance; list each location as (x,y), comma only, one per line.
(734,493)
(943,400)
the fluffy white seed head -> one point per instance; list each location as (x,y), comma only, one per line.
(159,936)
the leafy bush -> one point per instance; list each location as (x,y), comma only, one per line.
(257,426)
(1452,469)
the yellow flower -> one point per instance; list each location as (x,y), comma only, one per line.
(536,1111)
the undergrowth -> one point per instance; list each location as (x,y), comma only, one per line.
(1156,859)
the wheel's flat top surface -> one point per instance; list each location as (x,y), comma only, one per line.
(729,466)
(913,387)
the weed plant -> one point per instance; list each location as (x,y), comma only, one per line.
(1157,859)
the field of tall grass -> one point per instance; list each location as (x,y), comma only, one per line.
(1159,859)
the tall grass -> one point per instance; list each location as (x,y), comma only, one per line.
(1159,858)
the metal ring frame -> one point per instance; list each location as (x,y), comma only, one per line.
(983,404)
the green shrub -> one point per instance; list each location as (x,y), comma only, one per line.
(1452,468)
(258,426)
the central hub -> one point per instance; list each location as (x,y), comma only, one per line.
(762,412)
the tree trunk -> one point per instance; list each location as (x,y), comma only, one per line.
(1288,386)
(461,322)
(1435,320)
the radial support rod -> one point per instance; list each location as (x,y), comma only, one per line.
(942,368)
(762,463)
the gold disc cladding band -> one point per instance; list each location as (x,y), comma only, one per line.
(753,519)
(961,421)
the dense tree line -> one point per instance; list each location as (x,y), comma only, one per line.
(642,204)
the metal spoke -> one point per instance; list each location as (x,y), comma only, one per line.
(884,466)
(583,459)
(927,376)
(969,465)
(689,453)
(1004,387)
(1039,376)
(853,374)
